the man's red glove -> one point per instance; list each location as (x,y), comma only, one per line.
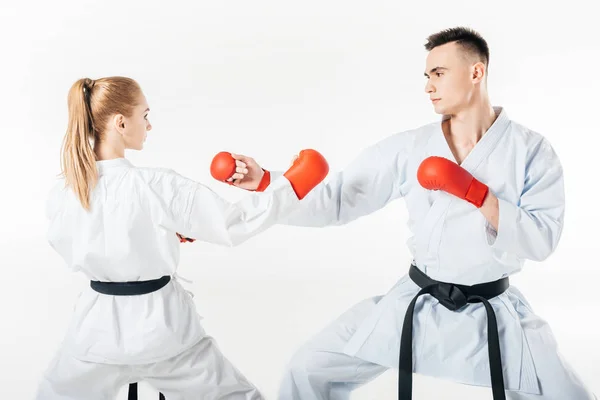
(438,173)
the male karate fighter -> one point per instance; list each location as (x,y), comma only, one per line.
(484,194)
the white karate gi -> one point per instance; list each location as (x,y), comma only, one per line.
(129,235)
(451,241)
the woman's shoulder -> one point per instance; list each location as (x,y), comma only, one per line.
(151,174)
(55,196)
(163,181)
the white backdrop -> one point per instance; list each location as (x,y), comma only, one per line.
(268,78)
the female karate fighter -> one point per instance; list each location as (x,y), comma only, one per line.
(119,225)
(484,194)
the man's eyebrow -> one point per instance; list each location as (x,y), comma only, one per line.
(434,69)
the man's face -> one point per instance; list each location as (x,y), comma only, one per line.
(450,78)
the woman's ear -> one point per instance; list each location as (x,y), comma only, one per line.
(119,123)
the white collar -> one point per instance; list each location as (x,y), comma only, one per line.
(500,124)
(104,165)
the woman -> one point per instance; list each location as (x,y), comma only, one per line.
(119,225)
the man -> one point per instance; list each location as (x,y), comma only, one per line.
(484,194)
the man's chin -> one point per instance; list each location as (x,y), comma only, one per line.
(438,110)
(441,110)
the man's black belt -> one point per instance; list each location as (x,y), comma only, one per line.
(135,288)
(453,297)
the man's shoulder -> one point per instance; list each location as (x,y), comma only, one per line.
(539,148)
(408,138)
(526,133)
(537,145)
(427,128)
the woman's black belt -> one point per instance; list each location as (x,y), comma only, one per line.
(134,288)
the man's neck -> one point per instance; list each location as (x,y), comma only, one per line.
(465,128)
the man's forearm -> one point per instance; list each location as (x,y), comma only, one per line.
(490,209)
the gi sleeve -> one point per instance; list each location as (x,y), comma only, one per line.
(532,228)
(372,180)
(194,210)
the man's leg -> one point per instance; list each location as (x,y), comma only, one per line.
(320,371)
(557,379)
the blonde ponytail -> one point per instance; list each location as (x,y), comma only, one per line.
(78,158)
(91,105)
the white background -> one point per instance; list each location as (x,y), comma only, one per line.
(268,78)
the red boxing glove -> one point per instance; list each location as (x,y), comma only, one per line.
(307,171)
(183,239)
(438,173)
(223,167)
(264,182)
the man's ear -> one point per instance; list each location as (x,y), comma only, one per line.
(478,72)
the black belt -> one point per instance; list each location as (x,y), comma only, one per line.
(133,392)
(135,288)
(453,297)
